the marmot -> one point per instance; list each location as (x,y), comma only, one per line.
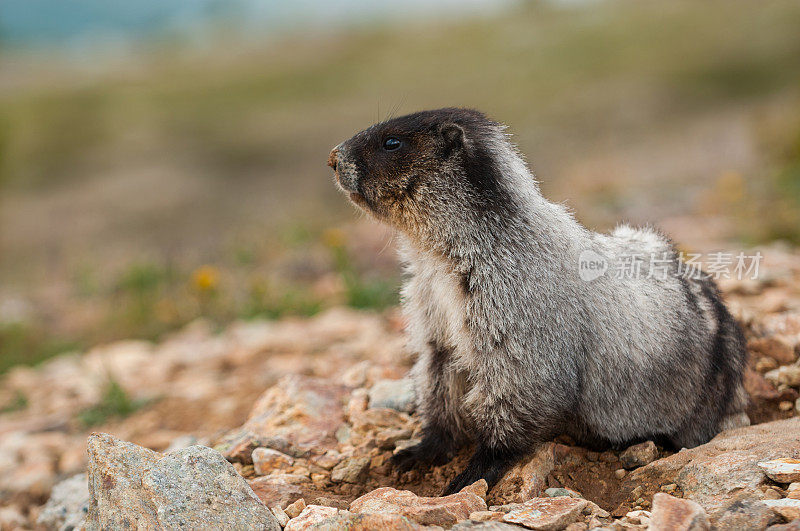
(514,345)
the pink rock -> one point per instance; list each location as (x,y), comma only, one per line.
(310,517)
(674,514)
(444,511)
(547,514)
(301,411)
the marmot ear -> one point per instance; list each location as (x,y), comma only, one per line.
(452,134)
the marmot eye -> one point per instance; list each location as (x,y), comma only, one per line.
(391,143)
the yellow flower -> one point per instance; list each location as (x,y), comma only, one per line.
(205,278)
(333,238)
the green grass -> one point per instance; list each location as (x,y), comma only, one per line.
(114,404)
(18,403)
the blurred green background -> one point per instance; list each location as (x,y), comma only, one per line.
(154,170)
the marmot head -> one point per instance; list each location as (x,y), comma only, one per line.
(426,171)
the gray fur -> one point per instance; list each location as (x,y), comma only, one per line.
(513,346)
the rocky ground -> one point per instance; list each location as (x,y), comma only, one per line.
(290,424)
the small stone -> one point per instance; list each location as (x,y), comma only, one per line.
(393,394)
(485,516)
(765,364)
(489,525)
(787,508)
(786,375)
(293,510)
(266,460)
(793,491)
(576,526)
(776,347)
(310,518)
(279,489)
(330,502)
(547,514)
(280,516)
(358,403)
(674,514)
(479,488)
(329,459)
(619,473)
(783,470)
(555,492)
(639,455)
(772,494)
(352,470)
(786,406)
(387,439)
(443,511)
(68,504)
(669,488)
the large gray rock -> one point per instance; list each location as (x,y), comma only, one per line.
(132,487)
(714,473)
(298,415)
(68,504)
(197,488)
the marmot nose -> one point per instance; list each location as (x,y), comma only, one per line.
(332,158)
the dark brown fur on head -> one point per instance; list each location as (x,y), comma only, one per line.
(444,160)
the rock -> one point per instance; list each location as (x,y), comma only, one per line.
(115,473)
(352,470)
(310,517)
(526,480)
(387,439)
(303,411)
(329,459)
(786,375)
(486,516)
(294,510)
(782,470)
(775,347)
(787,508)
(266,460)
(485,526)
(674,514)
(791,526)
(444,511)
(68,504)
(556,492)
(547,514)
(196,487)
(347,521)
(639,455)
(280,516)
(479,488)
(713,473)
(793,491)
(743,512)
(279,489)
(393,394)
(12,518)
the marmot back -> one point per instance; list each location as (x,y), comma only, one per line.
(516,341)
